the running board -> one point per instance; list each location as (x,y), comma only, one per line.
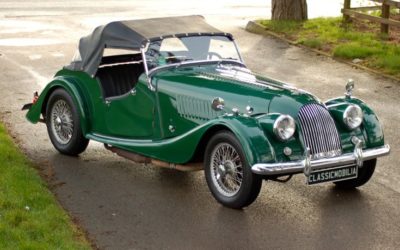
(143,159)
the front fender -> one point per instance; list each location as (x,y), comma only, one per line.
(251,136)
(70,85)
(371,127)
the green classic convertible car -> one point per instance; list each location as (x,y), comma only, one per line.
(174,92)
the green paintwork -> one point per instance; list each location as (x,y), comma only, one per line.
(169,123)
(141,104)
(370,129)
(72,85)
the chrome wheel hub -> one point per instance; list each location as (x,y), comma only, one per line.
(58,122)
(221,171)
(61,121)
(226,169)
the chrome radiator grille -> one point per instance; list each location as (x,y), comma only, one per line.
(319,131)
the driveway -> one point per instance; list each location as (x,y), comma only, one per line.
(123,205)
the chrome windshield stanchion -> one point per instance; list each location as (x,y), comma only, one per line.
(146,69)
(238,51)
(307,162)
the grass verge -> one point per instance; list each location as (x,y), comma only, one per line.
(30,217)
(359,41)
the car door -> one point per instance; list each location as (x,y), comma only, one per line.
(132,114)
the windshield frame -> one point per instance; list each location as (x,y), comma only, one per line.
(193,62)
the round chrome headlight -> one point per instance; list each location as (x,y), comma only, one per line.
(284,127)
(353,116)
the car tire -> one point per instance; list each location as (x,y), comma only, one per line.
(63,124)
(227,173)
(364,174)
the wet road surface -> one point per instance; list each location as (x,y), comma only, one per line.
(123,205)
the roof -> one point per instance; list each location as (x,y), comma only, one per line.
(133,34)
(155,28)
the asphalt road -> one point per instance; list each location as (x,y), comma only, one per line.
(123,205)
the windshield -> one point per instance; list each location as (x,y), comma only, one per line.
(195,48)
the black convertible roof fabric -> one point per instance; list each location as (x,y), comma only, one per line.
(134,34)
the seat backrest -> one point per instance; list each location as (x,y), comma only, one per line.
(117,80)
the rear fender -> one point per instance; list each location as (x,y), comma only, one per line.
(68,84)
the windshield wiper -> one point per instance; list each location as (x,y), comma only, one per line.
(229,58)
(183,61)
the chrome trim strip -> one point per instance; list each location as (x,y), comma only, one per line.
(117,97)
(295,167)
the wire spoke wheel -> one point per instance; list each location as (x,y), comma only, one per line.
(227,172)
(63,123)
(226,169)
(61,120)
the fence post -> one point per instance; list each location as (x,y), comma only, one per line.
(385,14)
(346,6)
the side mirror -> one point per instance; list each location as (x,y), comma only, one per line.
(349,88)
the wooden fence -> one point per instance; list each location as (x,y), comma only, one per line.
(384,20)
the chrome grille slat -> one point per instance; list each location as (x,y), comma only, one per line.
(332,134)
(328,131)
(318,125)
(319,131)
(325,134)
(315,127)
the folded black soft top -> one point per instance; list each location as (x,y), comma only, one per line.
(134,34)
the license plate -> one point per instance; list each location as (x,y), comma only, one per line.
(332,174)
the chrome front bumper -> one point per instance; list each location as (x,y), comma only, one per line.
(307,165)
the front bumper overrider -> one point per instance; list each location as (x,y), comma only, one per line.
(308,165)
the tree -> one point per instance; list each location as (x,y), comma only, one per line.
(289,9)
